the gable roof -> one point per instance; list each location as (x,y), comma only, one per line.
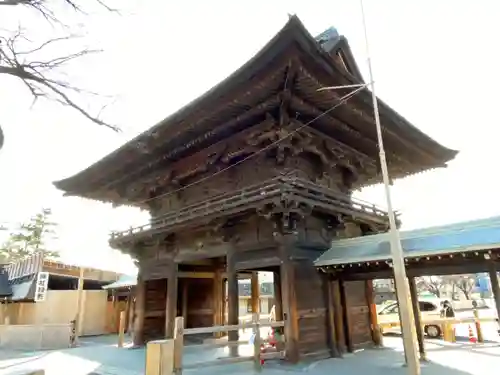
(469,236)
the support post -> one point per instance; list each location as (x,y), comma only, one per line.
(127,311)
(140,301)
(334,350)
(495,289)
(232,296)
(346,316)
(255,292)
(338,316)
(418,318)
(178,345)
(370,297)
(479,330)
(217,301)
(160,357)
(278,298)
(285,243)
(256,342)
(185,284)
(121,329)
(171,306)
(79,307)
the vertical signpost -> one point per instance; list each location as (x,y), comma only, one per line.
(42,283)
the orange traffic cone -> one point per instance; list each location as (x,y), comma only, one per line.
(472,338)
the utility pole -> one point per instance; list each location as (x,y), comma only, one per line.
(398,263)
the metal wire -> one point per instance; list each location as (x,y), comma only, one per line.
(342,101)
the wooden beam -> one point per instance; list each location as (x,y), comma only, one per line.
(195,275)
(417,317)
(171,305)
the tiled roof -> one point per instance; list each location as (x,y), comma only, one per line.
(483,234)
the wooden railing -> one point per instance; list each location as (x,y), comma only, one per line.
(172,357)
(256,195)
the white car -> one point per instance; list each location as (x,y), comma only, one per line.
(428,310)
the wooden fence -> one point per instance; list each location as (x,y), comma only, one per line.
(164,357)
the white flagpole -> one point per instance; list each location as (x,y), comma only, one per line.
(402,287)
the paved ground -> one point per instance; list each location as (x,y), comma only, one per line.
(101,356)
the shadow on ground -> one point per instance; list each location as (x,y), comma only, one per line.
(101,356)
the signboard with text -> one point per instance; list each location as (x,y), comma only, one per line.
(42,283)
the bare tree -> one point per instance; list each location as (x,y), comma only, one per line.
(35,66)
(431,284)
(464,283)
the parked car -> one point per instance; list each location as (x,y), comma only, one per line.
(428,310)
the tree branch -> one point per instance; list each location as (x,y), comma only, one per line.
(37,74)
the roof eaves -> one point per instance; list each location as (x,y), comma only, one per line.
(233,80)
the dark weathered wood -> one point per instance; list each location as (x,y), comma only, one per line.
(255,293)
(232,299)
(347,318)
(332,334)
(338,310)
(285,242)
(278,298)
(417,317)
(495,287)
(370,299)
(140,295)
(171,305)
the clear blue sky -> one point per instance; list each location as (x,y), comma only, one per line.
(435,62)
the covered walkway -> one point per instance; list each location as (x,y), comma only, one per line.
(466,247)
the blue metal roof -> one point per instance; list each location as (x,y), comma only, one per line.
(123,281)
(476,235)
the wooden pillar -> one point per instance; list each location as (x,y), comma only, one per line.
(217,301)
(255,292)
(224,301)
(370,297)
(140,302)
(127,310)
(338,316)
(495,287)
(185,296)
(232,296)
(346,321)
(332,334)
(80,305)
(417,317)
(278,303)
(286,243)
(171,306)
